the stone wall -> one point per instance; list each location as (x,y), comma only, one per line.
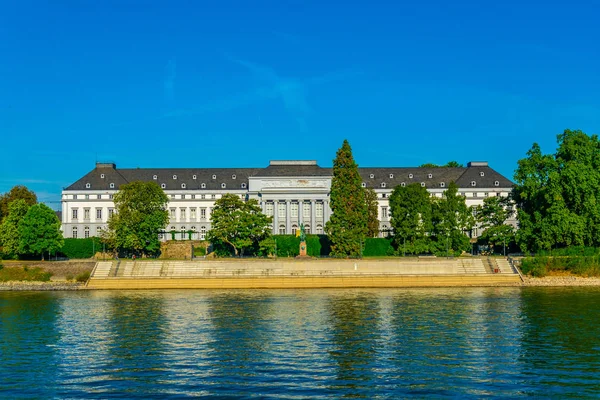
(179,249)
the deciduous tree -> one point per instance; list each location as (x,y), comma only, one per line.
(17,192)
(347,227)
(372,206)
(411,218)
(39,231)
(10,238)
(240,224)
(492,216)
(452,219)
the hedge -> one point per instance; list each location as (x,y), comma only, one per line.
(81,248)
(378,247)
(289,245)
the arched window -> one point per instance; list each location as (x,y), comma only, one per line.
(319,229)
(163,186)
(155,177)
(363,184)
(203,186)
(112,185)
(183,185)
(194,177)
(74,232)
(282,229)
(174,176)
(307,228)
(223,186)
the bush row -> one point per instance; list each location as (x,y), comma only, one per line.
(579,265)
(81,248)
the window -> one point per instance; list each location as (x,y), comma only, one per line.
(282,229)
(194,177)
(319,229)
(294,229)
(174,176)
(74,213)
(203,213)
(87,196)
(74,232)
(183,185)
(391,176)
(422,184)
(102,176)
(214,177)
(243,186)
(86,213)
(212,196)
(382,184)
(202,232)
(410,176)
(294,211)
(319,210)
(403,184)
(202,196)
(112,185)
(98,213)
(193,213)
(193,196)
(155,177)
(473,183)
(307,228)
(482,173)
(111,211)
(172,213)
(86,232)
(163,186)
(99,196)
(442,184)
(110,196)
(182,213)
(203,185)
(384,231)
(172,196)
(372,176)
(87,186)
(223,186)
(281,210)
(233,176)
(430,176)
(363,184)
(269,209)
(496,183)
(384,212)
(306,213)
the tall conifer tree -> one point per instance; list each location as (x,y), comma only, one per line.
(347,227)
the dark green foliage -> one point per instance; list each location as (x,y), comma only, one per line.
(578,265)
(16,193)
(199,251)
(289,245)
(10,239)
(378,247)
(411,209)
(493,215)
(81,248)
(83,277)
(452,220)
(39,231)
(347,227)
(558,195)
(372,205)
(24,274)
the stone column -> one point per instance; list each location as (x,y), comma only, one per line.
(300,213)
(275,217)
(288,213)
(326,211)
(313,216)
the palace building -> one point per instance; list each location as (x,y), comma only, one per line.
(292,192)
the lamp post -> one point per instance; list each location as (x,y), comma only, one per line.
(447,249)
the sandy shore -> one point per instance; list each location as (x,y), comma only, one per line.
(40,286)
(561,281)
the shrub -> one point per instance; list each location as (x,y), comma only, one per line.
(289,245)
(24,274)
(579,265)
(83,277)
(378,247)
(69,277)
(81,248)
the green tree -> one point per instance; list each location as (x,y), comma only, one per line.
(492,216)
(452,219)
(239,224)
(558,195)
(347,227)
(411,218)
(39,231)
(372,206)
(140,215)
(429,165)
(16,193)
(9,229)
(453,164)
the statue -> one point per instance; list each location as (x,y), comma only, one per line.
(302,242)
(302,233)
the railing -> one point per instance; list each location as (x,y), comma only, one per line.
(515,268)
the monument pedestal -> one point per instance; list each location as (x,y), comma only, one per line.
(303,251)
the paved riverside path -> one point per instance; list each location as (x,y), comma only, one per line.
(289,272)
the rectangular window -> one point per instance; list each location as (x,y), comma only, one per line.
(99,196)
(86,213)
(172,213)
(212,196)
(74,197)
(294,210)
(182,213)
(193,213)
(74,213)
(306,212)
(111,211)
(87,196)
(183,196)
(203,213)
(193,196)
(202,196)
(384,212)
(319,210)
(86,233)
(281,210)
(110,196)
(269,209)
(98,213)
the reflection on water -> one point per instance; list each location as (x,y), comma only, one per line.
(478,342)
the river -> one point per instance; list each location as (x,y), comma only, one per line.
(384,343)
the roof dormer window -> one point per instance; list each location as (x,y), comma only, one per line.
(363,185)
(102,176)
(473,183)
(496,183)
(402,184)
(372,176)
(87,186)
(243,186)
(482,173)
(183,185)
(382,184)
(203,186)
(442,184)
(391,176)
(194,177)
(214,177)
(410,176)
(430,176)
(223,185)
(155,177)
(174,176)
(163,186)
(422,184)
(112,185)
(233,176)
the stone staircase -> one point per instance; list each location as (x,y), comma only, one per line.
(504,266)
(102,269)
(472,266)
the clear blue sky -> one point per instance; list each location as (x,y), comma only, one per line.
(220,83)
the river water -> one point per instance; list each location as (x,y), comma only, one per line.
(384,343)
